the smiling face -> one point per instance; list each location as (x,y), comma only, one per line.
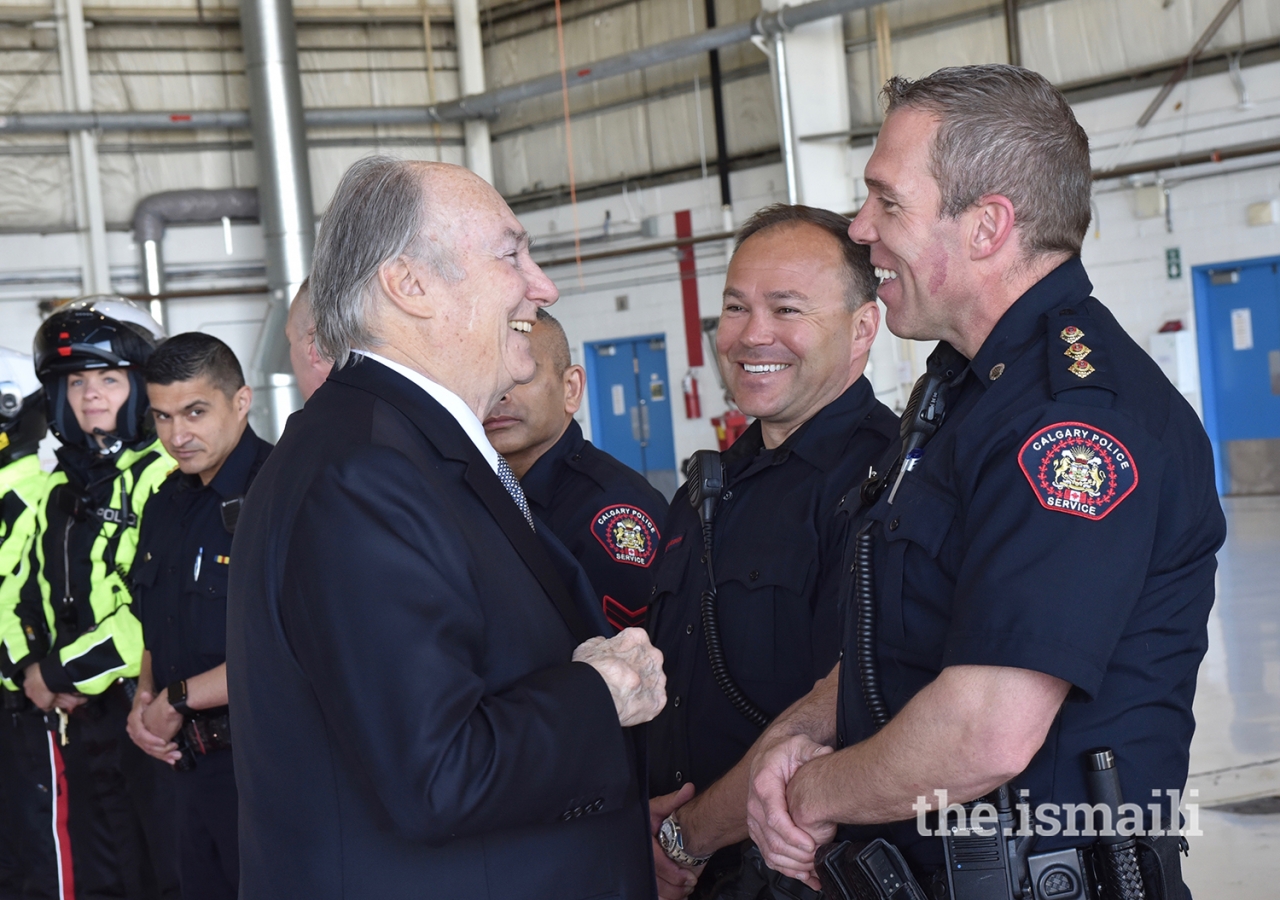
(917,254)
(95,396)
(198,424)
(482,320)
(788,344)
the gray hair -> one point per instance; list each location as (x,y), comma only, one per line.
(378,214)
(1006,130)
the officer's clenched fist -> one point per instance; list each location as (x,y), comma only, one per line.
(632,668)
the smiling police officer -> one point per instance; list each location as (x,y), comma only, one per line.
(797,324)
(1035,572)
(605,513)
(201,407)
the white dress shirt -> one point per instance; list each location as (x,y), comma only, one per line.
(451,402)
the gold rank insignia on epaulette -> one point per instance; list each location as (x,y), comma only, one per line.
(1077,351)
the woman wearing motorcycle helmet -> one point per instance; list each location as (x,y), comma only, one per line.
(81,642)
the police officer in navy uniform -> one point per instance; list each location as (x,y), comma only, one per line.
(796,327)
(604,512)
(201,406)
(1041,567)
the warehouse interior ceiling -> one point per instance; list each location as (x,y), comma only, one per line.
(646,127)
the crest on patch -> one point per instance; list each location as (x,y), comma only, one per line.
(627,533)
(1075,468)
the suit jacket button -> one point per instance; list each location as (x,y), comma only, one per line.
(598,805)
(566,816)
(578,811)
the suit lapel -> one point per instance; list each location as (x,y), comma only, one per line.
(443,431)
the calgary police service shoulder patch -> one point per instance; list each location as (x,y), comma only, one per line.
(627,533)
(1075,468)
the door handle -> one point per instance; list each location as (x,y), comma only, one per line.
(635,423)
(644,423)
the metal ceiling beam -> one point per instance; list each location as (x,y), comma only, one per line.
(1182,70)
(195,15)
(479,106)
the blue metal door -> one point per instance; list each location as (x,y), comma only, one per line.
(631,406)
(1238,308)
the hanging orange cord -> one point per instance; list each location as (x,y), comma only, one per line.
(568,145)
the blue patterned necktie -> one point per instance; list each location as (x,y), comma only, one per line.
(512,484)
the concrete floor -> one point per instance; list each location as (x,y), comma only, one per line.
(1235,757)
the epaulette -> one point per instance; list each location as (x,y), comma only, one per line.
(1078,357)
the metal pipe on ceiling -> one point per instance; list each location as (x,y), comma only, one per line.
(484,105)
(284,188)
(155,213)
(717,111)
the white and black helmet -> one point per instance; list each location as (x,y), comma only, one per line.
(100,332)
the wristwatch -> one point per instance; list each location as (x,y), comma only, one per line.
(672,842)
(178,697)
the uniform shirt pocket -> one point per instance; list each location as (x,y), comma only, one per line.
(764,613)
(209,613)
(913,528)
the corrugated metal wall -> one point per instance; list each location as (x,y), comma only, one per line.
(627,128)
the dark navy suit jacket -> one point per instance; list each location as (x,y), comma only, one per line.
(406,718)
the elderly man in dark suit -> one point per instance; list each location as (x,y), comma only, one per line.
(421,703)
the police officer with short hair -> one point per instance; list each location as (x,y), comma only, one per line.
(201,407)
(604,512)
(796,327)
(1035,569)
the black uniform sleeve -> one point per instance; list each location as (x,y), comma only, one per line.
(1061,528)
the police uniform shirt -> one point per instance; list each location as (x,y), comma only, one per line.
(1063,519)
(776,548)
(184,554)
(606,514)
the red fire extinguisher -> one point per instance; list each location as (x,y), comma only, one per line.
(729,427)
(692,403)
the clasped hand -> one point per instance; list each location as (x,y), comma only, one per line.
(632,668)
(786,836)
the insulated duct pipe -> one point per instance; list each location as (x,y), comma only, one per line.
(485,105)
(155,213)
(284,188)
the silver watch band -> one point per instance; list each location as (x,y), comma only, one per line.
(672,842)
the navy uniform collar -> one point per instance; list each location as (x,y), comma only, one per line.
(1022,323)
(232,479)
(540,481)
(820,441)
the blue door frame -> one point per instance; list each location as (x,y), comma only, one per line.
(1208,341)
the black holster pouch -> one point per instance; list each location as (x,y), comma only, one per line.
(872,870)
(756,881)
(207,731)
(1160,859)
